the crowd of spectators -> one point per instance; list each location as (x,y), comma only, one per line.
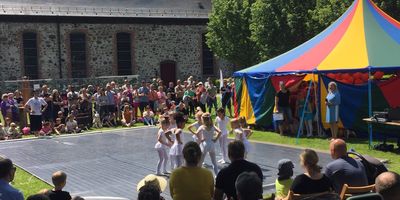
(54,111)
(241,179)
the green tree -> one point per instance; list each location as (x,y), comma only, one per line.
(391,7)
(280,25)
(326,12)
(228,33)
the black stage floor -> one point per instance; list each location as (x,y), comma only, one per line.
(109,165)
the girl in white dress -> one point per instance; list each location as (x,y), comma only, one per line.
(207,131)
(196,125)
(242,122)
(177,147)
(222,122)
(240,134)
(163,143)
(172,127)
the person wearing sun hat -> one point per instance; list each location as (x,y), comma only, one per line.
(284,180)
(148,183)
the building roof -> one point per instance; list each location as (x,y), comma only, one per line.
(198,9)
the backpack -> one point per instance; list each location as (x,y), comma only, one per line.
(373,167)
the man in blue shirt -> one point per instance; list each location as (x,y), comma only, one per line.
(143,97)
(7,172)
(344,169)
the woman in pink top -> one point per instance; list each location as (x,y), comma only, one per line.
(162,97)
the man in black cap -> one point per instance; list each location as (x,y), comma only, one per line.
(7,172)
(226,178)
(284,180)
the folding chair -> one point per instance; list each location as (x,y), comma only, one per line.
(348,191)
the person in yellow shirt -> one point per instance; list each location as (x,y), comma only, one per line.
(284,180)
(191,181)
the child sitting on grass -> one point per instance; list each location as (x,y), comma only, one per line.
(46,129)
(13,132)
(284,180)
(127,117)
(59,180)
(148,116)
(2,132)
(72,125)
(59,127)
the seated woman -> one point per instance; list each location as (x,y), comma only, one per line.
(191,179)
(312,181)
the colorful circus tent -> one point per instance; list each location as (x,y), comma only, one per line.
(364,41)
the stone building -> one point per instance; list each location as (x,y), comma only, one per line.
(89,38)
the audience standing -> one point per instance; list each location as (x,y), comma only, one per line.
(332,102)
(7,172)
(36,106)
(226,178)
(344,169)
(143,97)
(226,96)
(211,96)
(283,106)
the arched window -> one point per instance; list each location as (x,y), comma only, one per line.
(30,54)
(124,54)
(208,58)
(78,55)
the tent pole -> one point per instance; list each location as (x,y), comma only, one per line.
(304,110)
(370,106)
(316,96)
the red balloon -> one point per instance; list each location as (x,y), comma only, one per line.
(331,75)
(365,77)
(357,75)
(347,81)
(358,81)
(339,76)
(346,76)
(378,75)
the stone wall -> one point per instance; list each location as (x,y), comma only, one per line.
(151,45)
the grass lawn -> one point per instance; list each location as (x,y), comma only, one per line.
(359,145)
(27,183)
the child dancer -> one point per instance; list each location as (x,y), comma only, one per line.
(240,134)
(222,123)
(242,122)
(196,125)
(177,147)
(163,142)
(207,139)
(172,127)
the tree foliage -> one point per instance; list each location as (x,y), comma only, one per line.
(229,34)
(280,25)
(245,32)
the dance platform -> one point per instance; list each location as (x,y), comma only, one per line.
(108,165)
